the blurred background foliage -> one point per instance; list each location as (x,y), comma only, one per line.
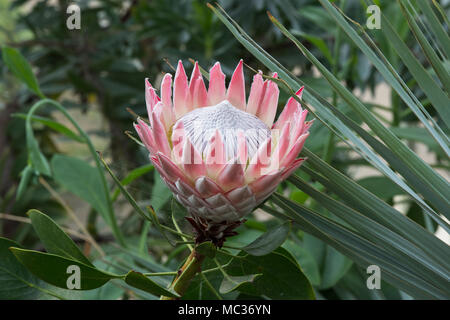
(98,72)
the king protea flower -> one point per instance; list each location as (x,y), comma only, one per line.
(220,154)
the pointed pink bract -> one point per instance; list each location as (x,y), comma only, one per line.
(236,88)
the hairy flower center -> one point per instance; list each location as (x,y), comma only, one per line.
(201,124)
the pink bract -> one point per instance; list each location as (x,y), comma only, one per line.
(219,154)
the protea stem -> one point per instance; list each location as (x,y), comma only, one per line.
(186,273)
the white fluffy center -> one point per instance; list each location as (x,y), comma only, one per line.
(201,124)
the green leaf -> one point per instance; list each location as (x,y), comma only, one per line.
(207,249)
(160,193)
(26,175)
(230,283)
(359,249)
(306,260)
(55,269)
(128,196)
(199,289)
(436,26)
(81,179)
(318,42)
(55,240)
(437,96)
(429,51)
(368,204)
(16,282)
(269,241)
(281,276)
(336,266)
(423,177)
(53,125)
(404,252)
(20,67)
(133,175)
(138,280)
(42,162)
(417,134)
(36,158)
(388,72)
(380,186)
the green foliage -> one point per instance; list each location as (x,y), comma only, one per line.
(54,239)
(269,241)
(53,269)
(81,179)
(16,281)
(281,276)
(21,68)
(395,152)
(138,280)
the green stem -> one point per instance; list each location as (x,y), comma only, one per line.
(116,231)
(156,274)
(181,234)
(186,273)
(210,286)
(329,146)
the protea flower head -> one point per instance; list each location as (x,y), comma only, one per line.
(220,154)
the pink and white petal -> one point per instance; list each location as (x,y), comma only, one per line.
(256,94)
(170,169)
(292,167)
(215,155)
(165,115)
(283,143)
(298,124)
(199,94)
(216,90)
(217,200)
(177,138)
(185,189)
(151,98)
(197,202)
(145,134)
(268,106)
(288,111)
(159,133)
(231,175)
(180,92)
(260,197)
(236,88)
(308,125)
(294,150)
(166,90)
(207,187)
(260,161)
(195,74)
(192,161)
(239,194)
(242,148)
(265,182)
(197,89)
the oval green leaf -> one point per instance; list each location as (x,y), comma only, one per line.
(269,241)
(139,281)
(20,67)
(55,240)
(230,283)
(59,271)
